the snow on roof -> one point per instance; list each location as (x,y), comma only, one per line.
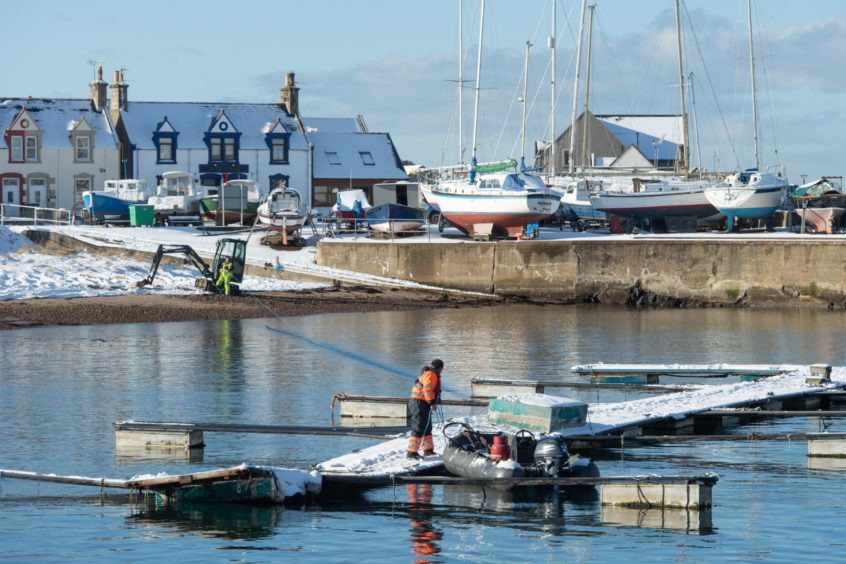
(356,156)
(53,116)
(338,125)
(193,119)
(657,137)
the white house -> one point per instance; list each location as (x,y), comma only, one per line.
(54,149)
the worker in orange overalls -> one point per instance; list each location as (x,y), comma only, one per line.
(425,397)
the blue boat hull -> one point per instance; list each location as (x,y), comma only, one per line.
(100,205)
(394,217)
(584,212)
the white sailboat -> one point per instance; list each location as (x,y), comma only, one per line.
(662,198)
(491,199)
(283,210)
(750,193)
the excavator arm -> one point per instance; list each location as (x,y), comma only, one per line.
(190,254)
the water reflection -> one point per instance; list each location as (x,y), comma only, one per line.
(685,520)
(424,535)
(222,521)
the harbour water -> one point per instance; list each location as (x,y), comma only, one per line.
(62,387)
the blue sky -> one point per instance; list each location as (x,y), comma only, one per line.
(392,61)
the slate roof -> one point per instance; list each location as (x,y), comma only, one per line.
(350,163)
(54,116)
(192,119)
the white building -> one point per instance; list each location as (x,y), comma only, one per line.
(54,149)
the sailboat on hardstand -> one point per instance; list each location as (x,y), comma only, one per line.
(491,199)
(662,198)
(750,193)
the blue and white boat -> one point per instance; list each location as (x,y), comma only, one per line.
(394,218)
(113,201)
(576,201)
(749,194)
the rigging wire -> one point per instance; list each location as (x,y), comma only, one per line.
(711,89)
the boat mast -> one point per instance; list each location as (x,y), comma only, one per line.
(685,156)
(478,78)
(571,167)
(460,84)
(525,98)
(592,7)
(696,127)
(754,91)
(552,43)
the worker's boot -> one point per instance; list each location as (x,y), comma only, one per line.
(428,452)
(412,455)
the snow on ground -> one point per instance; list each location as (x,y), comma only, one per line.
(26,273)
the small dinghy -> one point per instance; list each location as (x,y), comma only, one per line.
(471,454)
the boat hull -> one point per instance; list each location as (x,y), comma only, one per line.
(100,205)
(507,215)
(210,209)
(394,218)
(655,204)
(278,221)
(746,203)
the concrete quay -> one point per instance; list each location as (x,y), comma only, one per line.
(659,272)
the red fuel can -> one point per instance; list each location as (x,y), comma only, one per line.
(499,449)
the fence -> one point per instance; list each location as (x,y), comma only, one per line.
(16,214)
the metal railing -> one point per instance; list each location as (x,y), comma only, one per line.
(19,214)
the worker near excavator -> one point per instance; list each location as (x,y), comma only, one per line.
(225,275)
(425,397)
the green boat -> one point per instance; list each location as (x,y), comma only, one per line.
(237,201)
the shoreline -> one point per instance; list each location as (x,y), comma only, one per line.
(160,308)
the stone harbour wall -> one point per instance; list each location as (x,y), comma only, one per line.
(640,272)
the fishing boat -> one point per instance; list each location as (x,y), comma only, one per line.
(749,193)
(394,218)
(176,195)
(113,201)
(237,201)
(283,210)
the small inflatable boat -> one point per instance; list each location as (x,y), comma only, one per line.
(471,454)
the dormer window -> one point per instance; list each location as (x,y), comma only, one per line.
(31,148)
(83,148)
(166,150)
(16,148)
(277,139)
(165,140)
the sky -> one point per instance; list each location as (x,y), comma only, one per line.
(396,63)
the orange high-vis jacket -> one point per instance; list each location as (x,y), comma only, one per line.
(427,387)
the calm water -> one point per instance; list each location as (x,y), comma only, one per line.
(61,389)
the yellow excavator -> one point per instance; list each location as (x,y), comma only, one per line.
(233,249)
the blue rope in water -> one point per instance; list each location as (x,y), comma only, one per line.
(358,357)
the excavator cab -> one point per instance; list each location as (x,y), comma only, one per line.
(234,249)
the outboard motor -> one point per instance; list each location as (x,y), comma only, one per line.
(551,456)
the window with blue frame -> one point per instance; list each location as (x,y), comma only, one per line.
(223,147)
(278,145)
(165,147)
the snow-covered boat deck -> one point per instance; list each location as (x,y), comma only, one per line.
(380,463)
